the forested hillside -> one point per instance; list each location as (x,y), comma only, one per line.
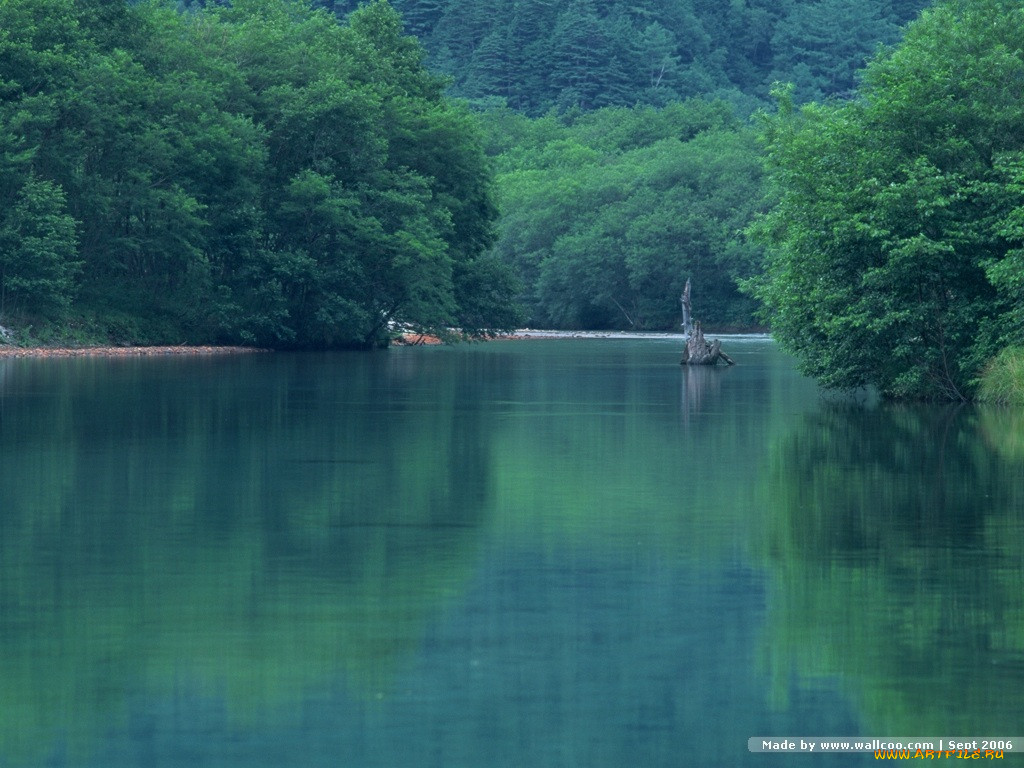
(253,171)
(257,173)
(533,55)
(638,167)
(607,213)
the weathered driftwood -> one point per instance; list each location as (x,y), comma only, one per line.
(697,350)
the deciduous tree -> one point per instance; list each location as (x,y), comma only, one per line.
(894,238)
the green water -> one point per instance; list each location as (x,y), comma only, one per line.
(545,553)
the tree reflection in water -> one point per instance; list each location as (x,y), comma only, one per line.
(164,523)
(896,547)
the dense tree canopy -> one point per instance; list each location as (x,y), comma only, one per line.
(533,55)
(606,214)
(604,234)
(288,172)
(895,240)
(256,173)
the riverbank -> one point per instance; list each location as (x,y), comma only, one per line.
(408,339)
(423,339)
(100,351)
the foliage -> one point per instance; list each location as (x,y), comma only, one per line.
(820,48)
(1002,381)
(894,239)
(535,55)
(37,251)
(606,214)
(604,234)
(251,172)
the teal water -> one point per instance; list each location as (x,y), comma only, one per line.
(545,553)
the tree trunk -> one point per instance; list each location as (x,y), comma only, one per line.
(685,300)
(698,351)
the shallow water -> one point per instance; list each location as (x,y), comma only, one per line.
(545,553)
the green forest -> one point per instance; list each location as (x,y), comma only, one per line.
(285,173)
(258,174)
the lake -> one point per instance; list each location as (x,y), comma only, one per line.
(545,553)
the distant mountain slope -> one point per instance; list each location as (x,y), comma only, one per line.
(534,55)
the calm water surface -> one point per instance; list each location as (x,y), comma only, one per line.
(548,553)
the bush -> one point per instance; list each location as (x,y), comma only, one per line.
(1003,379)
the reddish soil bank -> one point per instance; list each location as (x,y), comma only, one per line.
(416,340)
(426,340)
(120,351)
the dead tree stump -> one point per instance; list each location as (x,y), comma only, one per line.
(698,351)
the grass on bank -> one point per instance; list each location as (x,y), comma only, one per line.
(1003,380)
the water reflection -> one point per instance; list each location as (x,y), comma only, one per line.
(896,544)
(1003,428)
(230,528)
(498,555)
(699,382)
